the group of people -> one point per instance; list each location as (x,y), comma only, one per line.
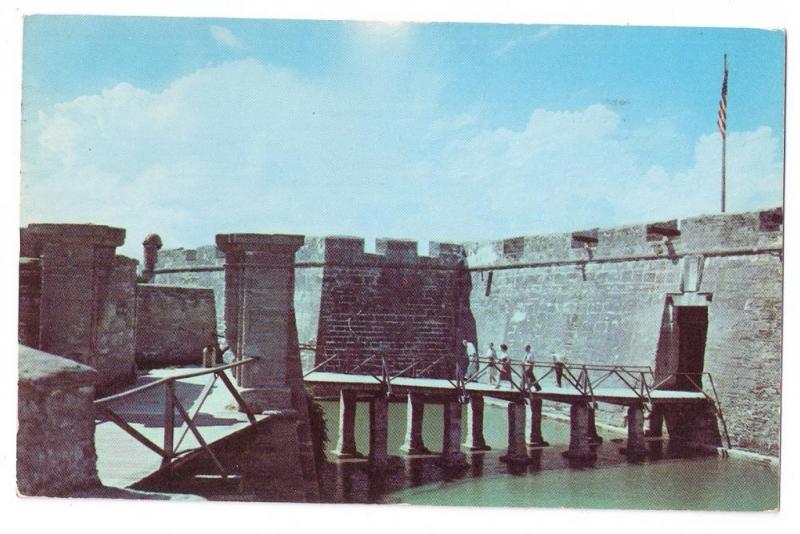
(499,366)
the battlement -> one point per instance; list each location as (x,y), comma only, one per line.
(719,233)
(704,235)
(388,252)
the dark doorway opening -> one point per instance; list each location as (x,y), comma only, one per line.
(692,330)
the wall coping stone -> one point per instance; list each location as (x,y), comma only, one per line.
(91,234)
(42,369)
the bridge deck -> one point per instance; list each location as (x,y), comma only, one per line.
(552,392)
(121,460)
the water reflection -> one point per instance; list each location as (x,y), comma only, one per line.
(351,481)
(610,480)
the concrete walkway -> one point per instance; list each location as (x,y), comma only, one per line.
(122,461)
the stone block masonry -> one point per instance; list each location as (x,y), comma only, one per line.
(607,303)
(80,301)
(392,304)
(200,267)
(173,324)
(30,293)
(55,437)
(594,295)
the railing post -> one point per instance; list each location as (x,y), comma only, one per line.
(169,421)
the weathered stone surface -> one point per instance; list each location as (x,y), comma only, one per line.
(259,294)
(30,291)
(611,312)
(55,438)
(173,324)
(607,307)
(86,308)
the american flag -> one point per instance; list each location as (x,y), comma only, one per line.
(722,116)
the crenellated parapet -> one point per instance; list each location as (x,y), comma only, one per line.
(346,250)
(706,235)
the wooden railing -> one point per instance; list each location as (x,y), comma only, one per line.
(582,377)
(170,450)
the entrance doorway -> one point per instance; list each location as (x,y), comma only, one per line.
(692,330)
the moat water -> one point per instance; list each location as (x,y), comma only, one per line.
(667,479)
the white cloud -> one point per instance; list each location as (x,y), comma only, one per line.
(568,170)
(225,37)
(245,146)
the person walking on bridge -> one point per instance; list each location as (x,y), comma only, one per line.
(558,366)
(472,360)
(528,377)
(505,366)
(491,355)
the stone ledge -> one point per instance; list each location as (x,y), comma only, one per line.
(41,369)
(176,290)
(91,234)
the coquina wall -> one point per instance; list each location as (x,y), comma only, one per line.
(55,436)
(77,297)
(595,296)
(392,304)
(605,303)
(200,267)
(173,324)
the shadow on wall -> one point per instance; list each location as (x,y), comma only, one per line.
(466,327)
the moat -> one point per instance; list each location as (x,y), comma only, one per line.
(670,478)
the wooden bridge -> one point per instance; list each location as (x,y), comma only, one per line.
(170,416)
(179,413)
(582,386)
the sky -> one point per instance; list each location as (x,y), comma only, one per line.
(452,132)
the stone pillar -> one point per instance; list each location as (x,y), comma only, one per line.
(379,432)
(516,453)
(535,438)
(636,444)
(451,443)
(77,264)
(579,448)
(695,424)
(475,440)
(346,446)
(594,437)
(259,305)
(415,411)
(655,427)
(260,323)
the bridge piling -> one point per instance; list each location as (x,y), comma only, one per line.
(378,431)
(452,457)
(516,453)
(415,412)
(378,458)
(579,445)
(594,437)
(475,440)
(655,426)
(346,445)
(534,424)
(636,447)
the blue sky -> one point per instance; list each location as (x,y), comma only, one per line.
(190,127)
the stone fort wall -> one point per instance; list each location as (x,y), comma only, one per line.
(173,324)
(604,303)
(599,296)
(55,433)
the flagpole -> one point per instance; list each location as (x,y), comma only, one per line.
(724,131)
